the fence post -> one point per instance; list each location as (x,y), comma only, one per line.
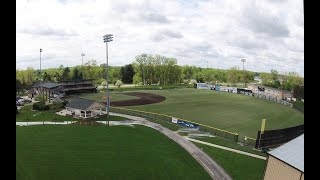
(237,138)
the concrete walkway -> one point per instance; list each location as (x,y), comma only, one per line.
(215,171)
(226,148)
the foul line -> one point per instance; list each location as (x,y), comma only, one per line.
(226,148)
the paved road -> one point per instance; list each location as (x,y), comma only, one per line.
(215,171)
(226,148)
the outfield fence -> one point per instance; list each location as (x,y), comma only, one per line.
(280,101)
(179,121)
(249,141)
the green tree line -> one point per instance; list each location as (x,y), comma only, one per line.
(154,69)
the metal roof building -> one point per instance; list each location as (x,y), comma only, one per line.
(286,161)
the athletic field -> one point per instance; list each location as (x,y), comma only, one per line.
(101,152)
(233,112)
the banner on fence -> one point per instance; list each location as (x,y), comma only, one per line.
(174,120)
(188,124)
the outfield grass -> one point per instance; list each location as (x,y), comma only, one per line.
(26,114)
(233,112)
(238,166)
(299,105)
(101,152)
(230,144)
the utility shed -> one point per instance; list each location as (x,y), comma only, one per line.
(84,108)
(287,161)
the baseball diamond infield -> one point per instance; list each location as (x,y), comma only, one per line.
(145,98)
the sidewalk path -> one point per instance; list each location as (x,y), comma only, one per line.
(215,171)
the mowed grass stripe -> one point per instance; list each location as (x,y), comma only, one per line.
(101,152)
(239,166)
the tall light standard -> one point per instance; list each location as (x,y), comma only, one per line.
(40,60)
(244,78)
(82,54)
(144,60)
(107,38)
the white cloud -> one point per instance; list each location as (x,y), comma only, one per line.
(269,34)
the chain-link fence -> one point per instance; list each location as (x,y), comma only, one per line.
(179,121)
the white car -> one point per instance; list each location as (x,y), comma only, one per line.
(21,101)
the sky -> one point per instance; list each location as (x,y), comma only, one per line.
(269,34)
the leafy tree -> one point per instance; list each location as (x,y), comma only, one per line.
(119,83)
(65,74)
(137,79)
(298,92)
(233,75)
(199,77)
(127,73)
(18,86)
(77,74)
(89,69)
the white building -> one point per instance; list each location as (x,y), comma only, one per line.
(84,108)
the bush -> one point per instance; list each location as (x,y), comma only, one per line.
(41,97)
(103,83)
(193,81)
(119,83)
(58,105)
(40,106)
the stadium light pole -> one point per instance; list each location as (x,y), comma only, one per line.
(40,63)
(40,59)
(82,54)
(107,38)
(144,60)
(244,80)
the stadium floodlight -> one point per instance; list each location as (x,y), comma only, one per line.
(82,54)
(244,78)
(40,61)
(107,38)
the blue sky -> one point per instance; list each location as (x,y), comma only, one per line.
(269,34)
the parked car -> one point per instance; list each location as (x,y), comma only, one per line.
(21,101)
(18,103)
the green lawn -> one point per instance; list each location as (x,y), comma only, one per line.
(233,112)
(299,105)
(26,114)
(101,152)
(230,144)
(238,166)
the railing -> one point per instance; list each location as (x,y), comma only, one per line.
(149,115)
(249,141)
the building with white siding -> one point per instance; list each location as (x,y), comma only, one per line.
(287,161)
